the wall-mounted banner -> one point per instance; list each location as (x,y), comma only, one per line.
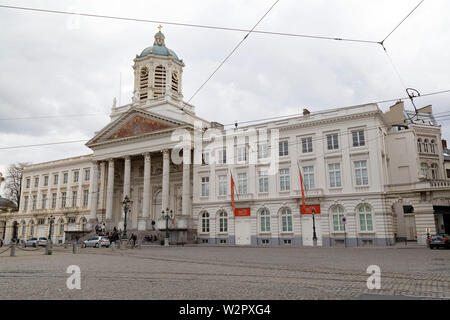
(242,212)
(308,209)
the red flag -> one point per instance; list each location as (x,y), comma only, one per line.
(232,193)
(301,185)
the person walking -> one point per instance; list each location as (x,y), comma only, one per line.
(153,225)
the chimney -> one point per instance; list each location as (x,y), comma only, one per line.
(444,144)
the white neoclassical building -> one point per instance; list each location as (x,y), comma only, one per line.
(372,178)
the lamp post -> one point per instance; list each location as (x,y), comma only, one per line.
(126,207)
(51,220)
(166,214)
(314,227)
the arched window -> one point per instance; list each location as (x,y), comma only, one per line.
(160,82)
(223,221)
(175,81)
(264,219)
(205,222)
(432,147)
(61,227)
(83,223)
(143,82)
(337,214)
(365,218)
(425,146)
(424,170)
(434,171)
(419,145)
(286,220)
(24,229)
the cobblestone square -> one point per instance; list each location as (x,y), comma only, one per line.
(212,272)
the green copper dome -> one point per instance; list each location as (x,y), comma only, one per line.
(159,48)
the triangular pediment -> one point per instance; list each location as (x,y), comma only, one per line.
(138,125)
(134,123)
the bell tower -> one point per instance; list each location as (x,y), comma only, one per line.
(158,73)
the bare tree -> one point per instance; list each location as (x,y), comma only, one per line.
(13,182)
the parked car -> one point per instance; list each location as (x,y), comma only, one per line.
(437,241)
(34,242)
(96,242)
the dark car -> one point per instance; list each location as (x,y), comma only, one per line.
(438,242)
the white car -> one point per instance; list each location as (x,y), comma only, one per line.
(34,242)
(96,242)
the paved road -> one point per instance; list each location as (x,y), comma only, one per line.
(201,272)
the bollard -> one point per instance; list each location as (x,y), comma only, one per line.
(13,250)
(118,244)
(74,248)
(47,246)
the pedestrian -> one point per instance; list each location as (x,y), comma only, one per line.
(103,228)
(1,243)
(153,224)
(133,238)
(96,229)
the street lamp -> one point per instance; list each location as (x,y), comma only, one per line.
(126,206)
(314,227)
(51,220)
(166,215)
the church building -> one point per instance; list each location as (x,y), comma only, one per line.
(351,176)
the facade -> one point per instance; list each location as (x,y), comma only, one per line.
(156,151)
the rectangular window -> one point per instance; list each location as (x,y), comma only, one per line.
(263,181)
(72,220)
(25,204)
(358,138)
(308,177)
(205,186)
(285,184)
(41,221)
(223,185)
(205,158)
(448,173)
(34,202)
(361,177)
(65,177)
(54,200)
(307,145)
(332,141)
(44,201)
(85,198)
(283,148)
(262,151)
(334,171)
(55,179)
(63,199)
(74,199)
(28,182)
(45,181)
(222,156)
(242,154)
(75,176)
(36,182)
(87,175)
(242,183)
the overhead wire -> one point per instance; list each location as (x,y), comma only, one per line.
(232,51)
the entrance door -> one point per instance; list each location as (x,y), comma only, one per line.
(307,229)
(242,232)
(410,225)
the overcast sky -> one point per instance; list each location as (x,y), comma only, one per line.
(58,65)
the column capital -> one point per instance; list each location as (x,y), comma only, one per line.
(127,157)
(165,151)
(146,155)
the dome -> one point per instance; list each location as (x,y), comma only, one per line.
(159,48)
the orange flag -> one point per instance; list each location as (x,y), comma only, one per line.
(301,185)
(232,193)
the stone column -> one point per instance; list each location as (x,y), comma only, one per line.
(126,181)
(186,194)
(101,194)
(146,193)
(127,177)
(110,191)
(165,180)
(94,192)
